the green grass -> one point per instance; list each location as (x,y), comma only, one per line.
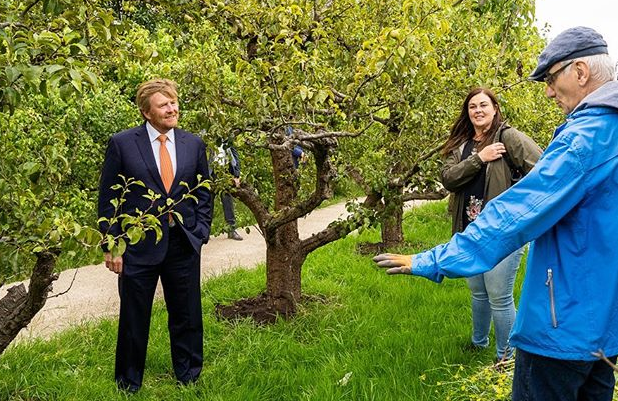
(395,337)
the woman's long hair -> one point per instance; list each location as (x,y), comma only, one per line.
(463,130)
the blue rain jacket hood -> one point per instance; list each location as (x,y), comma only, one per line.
(568,206)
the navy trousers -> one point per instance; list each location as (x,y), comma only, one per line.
(180,278)
(228,210)
(539,378)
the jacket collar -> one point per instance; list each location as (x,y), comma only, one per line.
(145,148)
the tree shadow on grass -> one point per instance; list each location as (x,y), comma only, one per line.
(260,309)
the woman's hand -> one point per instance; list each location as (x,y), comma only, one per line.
(492,152)
(399,264)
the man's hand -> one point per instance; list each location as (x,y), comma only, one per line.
(114,264)
(236,182)
(399,264)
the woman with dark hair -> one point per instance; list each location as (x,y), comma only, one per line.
(483,158)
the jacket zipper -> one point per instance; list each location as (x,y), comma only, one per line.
(552,304)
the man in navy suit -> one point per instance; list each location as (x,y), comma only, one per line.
(161,156)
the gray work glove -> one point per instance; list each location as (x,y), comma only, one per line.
(399,264)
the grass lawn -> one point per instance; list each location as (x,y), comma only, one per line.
(367,336)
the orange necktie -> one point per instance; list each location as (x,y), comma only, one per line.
(167,171)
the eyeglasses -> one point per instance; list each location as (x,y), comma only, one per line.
(550,79)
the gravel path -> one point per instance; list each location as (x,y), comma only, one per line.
(94,293)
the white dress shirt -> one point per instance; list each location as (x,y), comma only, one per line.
(170,144)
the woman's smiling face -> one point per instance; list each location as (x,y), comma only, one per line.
(481,111)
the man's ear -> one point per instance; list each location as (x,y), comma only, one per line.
(583,72)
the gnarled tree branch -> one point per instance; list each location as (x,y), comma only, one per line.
(247,195)
(340,229)
(323,187)
(18,306)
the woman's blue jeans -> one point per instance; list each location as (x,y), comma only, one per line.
(492,299)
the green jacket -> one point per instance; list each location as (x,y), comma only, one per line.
(456,174)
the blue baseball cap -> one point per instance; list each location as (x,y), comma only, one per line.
(575,42)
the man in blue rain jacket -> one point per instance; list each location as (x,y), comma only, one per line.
(568,206)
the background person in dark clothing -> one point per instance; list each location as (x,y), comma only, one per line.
(227,155)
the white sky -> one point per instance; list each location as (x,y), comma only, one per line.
(601,15)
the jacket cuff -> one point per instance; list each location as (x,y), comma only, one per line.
(476,160)
(423,265)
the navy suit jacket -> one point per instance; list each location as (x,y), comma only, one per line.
(130,153)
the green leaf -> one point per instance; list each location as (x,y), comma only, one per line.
(189,196)
(12,97)
(54,237)
(31,73)
(50,38)
(134,234)
(321,96)
(303,91)
(158,233)
(49,6)
(121,248)
(80,48)
(70,37)
(90,77)
(110,242)
(12,74)
(76,80)
(43,88)
(54,68)
(75,75)
(66,91)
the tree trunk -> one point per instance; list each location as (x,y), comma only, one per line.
(285,252)
(284,255)
(392,222)
(18,307)
(284,259)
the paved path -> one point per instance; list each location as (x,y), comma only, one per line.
(94,294)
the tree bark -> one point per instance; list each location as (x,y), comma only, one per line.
(18,307)
(284,254)
(284,260)
(392,221)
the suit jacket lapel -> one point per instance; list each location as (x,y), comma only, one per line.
(145,149)
(181,156)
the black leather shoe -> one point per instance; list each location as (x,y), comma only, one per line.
(129,389)
(471,347)
(234,235)
(188,382)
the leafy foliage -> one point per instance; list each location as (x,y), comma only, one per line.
(271,74)
(427,60)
